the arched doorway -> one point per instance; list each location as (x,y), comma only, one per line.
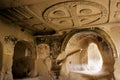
(23,59)
(83,40)
(1,56)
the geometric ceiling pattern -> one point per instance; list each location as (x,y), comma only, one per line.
(51,16)
(76,13)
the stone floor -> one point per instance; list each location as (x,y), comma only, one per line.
(36,78)
(72,76)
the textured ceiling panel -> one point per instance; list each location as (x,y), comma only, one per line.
(74,14)
(17,3)
(25,19)
(50,16)
(115,11)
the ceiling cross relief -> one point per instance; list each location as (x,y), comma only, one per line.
(74,14)
(51,17)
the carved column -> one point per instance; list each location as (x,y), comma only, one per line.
(55,43)
(8,50)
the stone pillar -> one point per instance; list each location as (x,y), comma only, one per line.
(8,50)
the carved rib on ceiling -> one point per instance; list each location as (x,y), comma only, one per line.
(24,18)
(17,3)
(76,13)
(117,12)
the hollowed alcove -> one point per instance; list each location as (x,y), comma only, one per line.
(23,59)
(95,57)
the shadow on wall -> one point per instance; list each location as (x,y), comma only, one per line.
(23,59)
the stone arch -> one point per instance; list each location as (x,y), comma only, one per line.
(23,59)
(95,30)
(81,40)
(1,56)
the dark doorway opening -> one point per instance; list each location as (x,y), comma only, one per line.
(23,60)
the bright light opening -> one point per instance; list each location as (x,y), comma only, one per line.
(94,58)
(95,61)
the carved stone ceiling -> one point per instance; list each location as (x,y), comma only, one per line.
(50,16)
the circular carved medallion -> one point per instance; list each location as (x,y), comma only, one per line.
(73,14)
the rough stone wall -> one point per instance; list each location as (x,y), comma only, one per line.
(7,29)
(9,33)
(113,30)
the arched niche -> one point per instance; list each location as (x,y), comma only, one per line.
(82,39)
(23,59)
(1,56)
(95,30)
